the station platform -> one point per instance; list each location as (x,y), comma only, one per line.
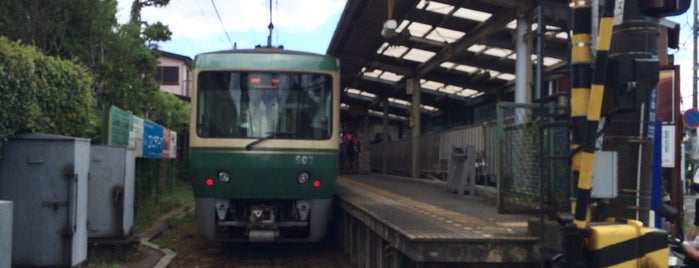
(429,225)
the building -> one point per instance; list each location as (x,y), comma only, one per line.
(174,72)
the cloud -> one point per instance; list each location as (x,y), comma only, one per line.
(197,19)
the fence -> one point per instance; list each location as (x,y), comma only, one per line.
(524,153)
(435,152)
(533,167)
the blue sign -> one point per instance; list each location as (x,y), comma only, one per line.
(152,140)
(691,118)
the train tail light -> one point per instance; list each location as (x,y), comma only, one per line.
(209,182)
(316,183)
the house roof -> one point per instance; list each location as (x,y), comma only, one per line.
(187,60)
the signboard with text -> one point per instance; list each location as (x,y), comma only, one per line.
(119,127)
(152,140)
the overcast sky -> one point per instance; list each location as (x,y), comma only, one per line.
(305,25)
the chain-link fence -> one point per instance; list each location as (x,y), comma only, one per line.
(532,162)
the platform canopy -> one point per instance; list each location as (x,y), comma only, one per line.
(462,51)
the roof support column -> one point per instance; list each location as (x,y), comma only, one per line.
(414,87)
(522,70)
(384,136)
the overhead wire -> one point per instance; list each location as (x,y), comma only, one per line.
(203,14)
(222,25)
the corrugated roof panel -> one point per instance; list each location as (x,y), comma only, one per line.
(399,102)
(418,55)
(374,73)
(430,84)
(429,108)
(472,14)
(435,7)
(368,94)
(402,25)
(548,61)
(451,89)
(477,48)
(393,77)
(466,68)
(506,76)
(444,35)
(419,29)
(499,52)
(395,51)
(467,92)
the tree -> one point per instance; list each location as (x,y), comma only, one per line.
(87,31)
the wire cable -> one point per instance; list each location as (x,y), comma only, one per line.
(222,25)
(205,17)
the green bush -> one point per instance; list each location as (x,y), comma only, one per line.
(45,94)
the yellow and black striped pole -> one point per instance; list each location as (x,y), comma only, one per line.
(594,113)
(581,62)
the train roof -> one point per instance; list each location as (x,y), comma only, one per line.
(263,50)
(262,58)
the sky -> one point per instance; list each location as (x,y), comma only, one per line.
(684,56)
(304,25)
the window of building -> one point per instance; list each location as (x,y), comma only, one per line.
(168,75)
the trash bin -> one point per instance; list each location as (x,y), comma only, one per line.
(45,177)
(462,170)
(111,191)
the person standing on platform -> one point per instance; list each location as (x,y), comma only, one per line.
(349,141)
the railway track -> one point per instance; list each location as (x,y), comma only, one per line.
(323,254)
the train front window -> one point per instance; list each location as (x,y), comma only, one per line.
(258,104)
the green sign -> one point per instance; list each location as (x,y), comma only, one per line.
(119,127)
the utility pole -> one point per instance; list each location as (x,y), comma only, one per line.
(694,62)
(695,66)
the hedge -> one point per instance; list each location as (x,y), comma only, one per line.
(39,93)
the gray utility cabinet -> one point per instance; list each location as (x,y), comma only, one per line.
(461,178)
(45,176)
(112,191)
(5,233)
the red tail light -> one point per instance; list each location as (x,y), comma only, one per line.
(209,181)
(316,183)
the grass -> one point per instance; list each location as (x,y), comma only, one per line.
(152,207)
(179,228)
(147,210)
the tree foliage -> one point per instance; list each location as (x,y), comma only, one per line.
(120,64)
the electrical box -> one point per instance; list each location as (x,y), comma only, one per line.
(112,190)
(605,175)
(5,233)
(45,177)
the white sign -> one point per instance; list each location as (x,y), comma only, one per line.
(618,12)
(668,146)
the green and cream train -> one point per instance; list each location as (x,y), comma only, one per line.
(264,142)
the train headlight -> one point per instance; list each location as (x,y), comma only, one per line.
(303,177)
(223,176)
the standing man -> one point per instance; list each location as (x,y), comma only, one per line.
(349,140)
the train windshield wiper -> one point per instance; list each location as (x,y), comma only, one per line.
(269,136)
